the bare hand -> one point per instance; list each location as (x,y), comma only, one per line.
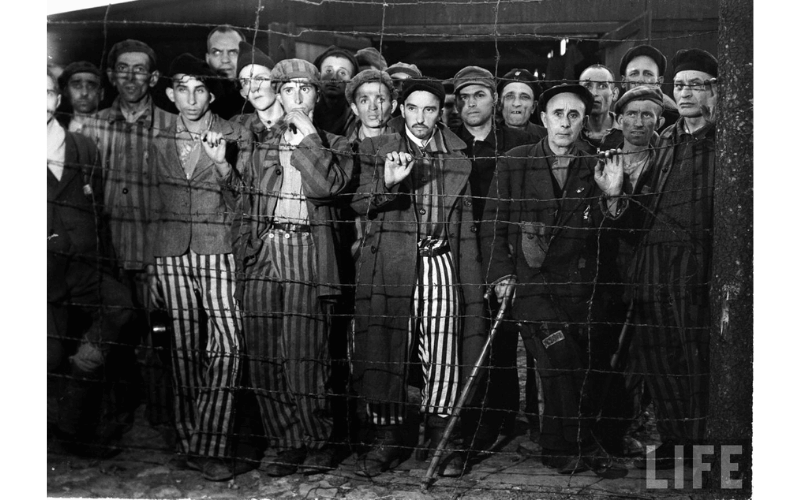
(608,173)
(214,146)
(709,113)
(300,125)
(396,168)
(505,288)
(154,285)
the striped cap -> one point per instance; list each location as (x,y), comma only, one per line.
(289,69)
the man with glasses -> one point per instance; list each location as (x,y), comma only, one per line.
(83,90)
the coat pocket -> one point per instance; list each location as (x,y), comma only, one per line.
(534,243)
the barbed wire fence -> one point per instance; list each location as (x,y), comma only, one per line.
(602,294)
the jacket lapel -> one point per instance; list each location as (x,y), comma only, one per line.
(72,167)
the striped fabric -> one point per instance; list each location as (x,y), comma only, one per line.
(287,341)
(205,371)
(123,151)
(434,331)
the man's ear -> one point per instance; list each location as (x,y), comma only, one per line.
(615,94)
(213,97)
(619,118)
(154,76)
(354,108)
(171,94)
(208,58)
(403,110)
(542,116)
(110,75)
(58,101)
(394,106)
(660,80)
(102,94)
(660,123)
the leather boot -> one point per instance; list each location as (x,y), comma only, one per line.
(452,463)
(386,452)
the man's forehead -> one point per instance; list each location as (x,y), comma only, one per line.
(422,97)
(642,60)
(336,62)
(188,80)
(224,40)
(692,74)
(565,101)
(517,87)
(254,69)
(473,89)
(133,58)
(596,75)
(371,88)
(298,82)
(642,104)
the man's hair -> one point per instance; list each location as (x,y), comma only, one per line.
(55,81)
(224,28)
(601,66)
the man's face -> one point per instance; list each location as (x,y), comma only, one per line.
(336,72)
(475,104)
(223,52)
(373,104)
(85,92)
(132,76)
(692,94)
(53,98)
(517,104)
(256,88)
(601,84)
(563,119)
(639,120)
(298,94)
(421,112)
(191,97)
(642,70)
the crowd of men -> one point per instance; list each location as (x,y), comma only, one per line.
(323,236)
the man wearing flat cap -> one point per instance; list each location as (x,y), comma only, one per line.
(646,65)
(332,114)
(487,141)
(400,73)
(286,248)
(80,82)
(672,264)
(189,252)
(517,91)
(547,205)
(370,58)
(418,296)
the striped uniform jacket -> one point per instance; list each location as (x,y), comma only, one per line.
(326,163)
(124,149)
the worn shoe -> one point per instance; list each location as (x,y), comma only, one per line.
(319,461)
(452,463)
(286,462)
(212,468)
(386,453)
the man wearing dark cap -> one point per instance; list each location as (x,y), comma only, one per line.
(286,247)
(82,86)
(601,129)
(253,70)
(222,55)
(191,266)
(672,264)
(646,65)
(517,91)
(332,114)
(123,134)
(547,205)
(400,72)
(486,142)
(417,290)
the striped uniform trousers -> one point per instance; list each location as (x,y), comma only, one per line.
(433,329)
(286,330)
(204,370)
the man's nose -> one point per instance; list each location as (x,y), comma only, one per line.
(298,97)
(192,98)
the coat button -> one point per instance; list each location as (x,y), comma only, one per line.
(422,211)
(124,190)
(373,249)
(530,236)
(474,229)
(278,172)
(468,203)
(287,236)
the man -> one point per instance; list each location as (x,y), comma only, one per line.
(84,90)
(78,278)
(222,55)
(475,100)
(370,58)
(400,73)
(671,267)
(332,114)
(123,134)
(517,91)
(417,286)
(601,129)
(372,99)
(646,65)
(189,251)
(286,247)
(253,70)
(548,210)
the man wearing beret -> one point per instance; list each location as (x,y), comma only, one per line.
(646,65)
(332,113)
(222,55)
(671,267)
(418,296)
(517,91)
(548,203)
(487,141)
(601,129)
(190,260)
(123,134)
(286,248)
(83,90)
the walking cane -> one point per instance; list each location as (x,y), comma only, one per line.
(451,424)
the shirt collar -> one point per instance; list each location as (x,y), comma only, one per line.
(145,118)
(434,143)
(491,138)
(701,133)
(208,122)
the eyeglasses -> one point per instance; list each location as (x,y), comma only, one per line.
(256,81)
(705,85)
